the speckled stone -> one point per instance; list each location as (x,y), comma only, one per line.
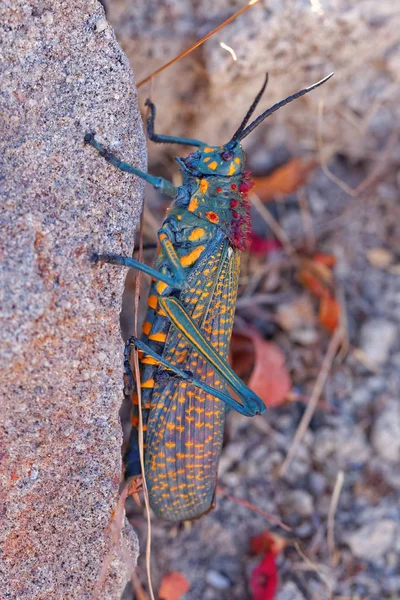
(63,74)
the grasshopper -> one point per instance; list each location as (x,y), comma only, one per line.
(184,373)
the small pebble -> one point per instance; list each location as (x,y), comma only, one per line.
(372,541)
(377,339)
(317,483)
(386,432)
(289,591)
(217,580)
(299,502)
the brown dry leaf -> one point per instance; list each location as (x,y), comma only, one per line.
(329,312)
(173,586)
(296,314)
(283,180)
(266,363)
(316,275)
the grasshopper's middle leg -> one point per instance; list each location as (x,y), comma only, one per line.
(176,280)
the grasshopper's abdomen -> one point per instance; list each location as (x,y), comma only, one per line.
(185,428)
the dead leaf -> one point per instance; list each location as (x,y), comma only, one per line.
(134,487)
(264,579)
(329,312)
(283,180)
(267,542)
(316,275)
(329,260)
(173,586)
(263,246)
(262,365)
(299,313)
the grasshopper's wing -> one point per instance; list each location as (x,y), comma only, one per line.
(185,431)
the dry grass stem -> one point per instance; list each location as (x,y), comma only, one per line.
(333,347)
(140,594)
(198,43)
(141,448)
(314,567)
(377,172)
(114,526)
(307,221)
(254,508)
(331,514)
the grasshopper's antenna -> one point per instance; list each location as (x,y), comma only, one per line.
(252,108)
(245,132)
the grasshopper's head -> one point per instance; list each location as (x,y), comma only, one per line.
(228,160)
(224,161)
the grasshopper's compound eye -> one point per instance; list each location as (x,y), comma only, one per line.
(227,155)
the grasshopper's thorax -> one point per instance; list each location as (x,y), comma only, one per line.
(219,186)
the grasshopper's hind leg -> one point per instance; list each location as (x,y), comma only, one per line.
(188,376)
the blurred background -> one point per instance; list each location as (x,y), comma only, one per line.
(318,313)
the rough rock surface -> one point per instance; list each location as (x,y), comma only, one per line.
(63,74)
(207,94)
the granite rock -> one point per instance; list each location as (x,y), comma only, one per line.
(64,74)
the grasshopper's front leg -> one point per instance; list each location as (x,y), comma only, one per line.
(164,186)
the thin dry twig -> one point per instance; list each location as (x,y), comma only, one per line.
(314,567)
(307,221)
(140,594)
(198,43)
(114,526)
(330,536)
(333,347)
(151,222)
(343,324)
(273,224)
(376,172)
(253,508)
(141,448)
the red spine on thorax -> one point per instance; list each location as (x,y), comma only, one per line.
(240,211)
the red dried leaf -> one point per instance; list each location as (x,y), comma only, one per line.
(264,579)
(266,362)
(173,586)
(283,180)
(263,246)
(329,260)
(311,282)
(267,542)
